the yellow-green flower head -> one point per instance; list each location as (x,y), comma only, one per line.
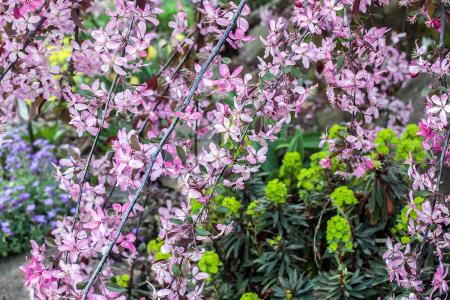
(252,209)
(275,242)
(210,262)
(413,146)
(292,163)
(232,204)
(338,234)
(401,227)
(315,158)
(343,196)
(410,132)
(154,247)
(250,296)
(385,138)
(337,131)
(311,179)
(410,142)
(60,56)
(123,280)
(373,156)
(276,191)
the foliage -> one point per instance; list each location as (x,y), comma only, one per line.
(30,200)
(317,243)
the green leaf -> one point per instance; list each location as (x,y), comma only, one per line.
(222,209)
(226,60)
(181,154)
(81,285)
(202,232)
(155,140)
(176,221)
(176,270)
(269,77)
(296,144)
(115,288)
(271,164)
(340,62)
(311,141)
(203,169)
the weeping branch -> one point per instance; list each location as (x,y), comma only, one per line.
(163,141)
(436,194)
(97,136)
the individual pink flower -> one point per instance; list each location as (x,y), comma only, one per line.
(306,52)
(224,229)
(439,279)
(440,106)
(325,163)
(309,20)
(75,245)
(115,62)
(127,242)
(228,81)
(256,157)
(359,141)
(189,114)
(228,129)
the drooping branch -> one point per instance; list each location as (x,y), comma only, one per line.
(436,194)
(97,136)
(185,103)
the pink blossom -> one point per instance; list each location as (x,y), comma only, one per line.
(29,6)
(256,157)
(228,81)
(440,107)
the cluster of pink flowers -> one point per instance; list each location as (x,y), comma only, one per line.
(429,230)
(358,68)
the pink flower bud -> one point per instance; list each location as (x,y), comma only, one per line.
(436,23)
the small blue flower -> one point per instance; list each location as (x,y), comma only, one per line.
(31,207)
(4,225)
(24,196)
(39,219)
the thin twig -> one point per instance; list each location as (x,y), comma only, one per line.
(91,152)
(316,251)
(424,245)
(76,33)
(97,136)
(133,265)
(31,135)
(172,56)
(177,69)
(164,140)
(142,131)
(421,254)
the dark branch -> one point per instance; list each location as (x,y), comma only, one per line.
(164,140)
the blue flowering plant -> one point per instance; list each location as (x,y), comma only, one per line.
(30,201)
